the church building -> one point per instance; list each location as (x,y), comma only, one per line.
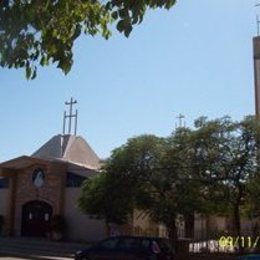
(34,189)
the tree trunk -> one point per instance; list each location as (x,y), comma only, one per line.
(189,226)
(172,233)
(237,226)
(237,221)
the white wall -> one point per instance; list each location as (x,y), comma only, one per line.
(80,227)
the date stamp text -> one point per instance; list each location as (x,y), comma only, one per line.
(246,242)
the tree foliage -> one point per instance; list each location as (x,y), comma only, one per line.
(148,173)
(114,193)
(226,159)
(34,32)
(100,199)
(210,169)
(170,190)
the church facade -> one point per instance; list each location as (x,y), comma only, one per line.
(34,189)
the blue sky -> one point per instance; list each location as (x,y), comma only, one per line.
(195,59)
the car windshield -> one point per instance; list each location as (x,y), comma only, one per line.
(129,243)
(108,244)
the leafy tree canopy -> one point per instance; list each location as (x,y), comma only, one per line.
(110,194)
(211,169)
(113,193)
(225,157)
(100,198)
(34,32)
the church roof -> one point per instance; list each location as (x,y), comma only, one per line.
(20,162)
(69,148)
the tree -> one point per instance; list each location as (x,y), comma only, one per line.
(34,32)
(100,198)
(225,159)
(170,189)
(115,193)
(147,173)
(212,169)
(251,207)
(207,158)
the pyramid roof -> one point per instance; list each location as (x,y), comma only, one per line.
(69,148)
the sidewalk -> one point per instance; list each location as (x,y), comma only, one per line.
(34,248)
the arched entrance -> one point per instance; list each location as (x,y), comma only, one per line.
(36,217)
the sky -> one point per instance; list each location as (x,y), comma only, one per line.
(195,59)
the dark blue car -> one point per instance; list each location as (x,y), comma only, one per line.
(128,248)
(249,257)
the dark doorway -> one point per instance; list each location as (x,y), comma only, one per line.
(36,217)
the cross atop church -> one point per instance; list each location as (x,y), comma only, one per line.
(257,21)
(180,117)
(70,116)
(257,24)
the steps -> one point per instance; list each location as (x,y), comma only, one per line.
(34,248)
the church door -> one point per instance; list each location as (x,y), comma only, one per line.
(36,217)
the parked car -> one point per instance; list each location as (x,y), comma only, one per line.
(249,257)
(128,248)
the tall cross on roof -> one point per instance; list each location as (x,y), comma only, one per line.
(180,117)
(257,21)
(70,116)
(257,24)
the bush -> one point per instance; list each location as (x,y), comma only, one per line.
(58,224)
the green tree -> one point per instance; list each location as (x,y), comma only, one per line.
(170,190)
(211,169)
(251,206)
(150,174)
(115,193)
(34,32)
(253,188)
(100,198)
(208,145)
(225,158)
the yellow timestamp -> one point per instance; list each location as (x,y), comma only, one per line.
(244,241)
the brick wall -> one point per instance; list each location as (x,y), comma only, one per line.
(51,192)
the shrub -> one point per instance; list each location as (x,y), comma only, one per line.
(58,224)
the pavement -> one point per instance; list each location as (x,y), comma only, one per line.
(37,249)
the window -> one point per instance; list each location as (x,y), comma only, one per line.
(145,243)
(74,180)
(129,243)
(109,244)
(4,183)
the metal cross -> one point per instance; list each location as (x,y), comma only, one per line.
(180,117)
(70,116)
(258,24)
(257,21)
